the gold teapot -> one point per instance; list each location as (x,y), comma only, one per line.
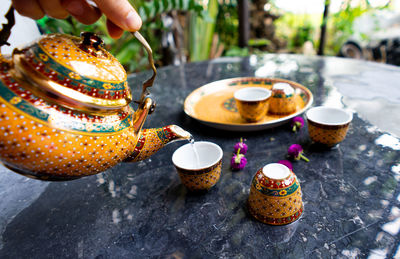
(65,109)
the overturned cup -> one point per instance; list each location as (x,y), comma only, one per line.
(282,100)
(252,102)
(275,195)
(198,164)
(328,126)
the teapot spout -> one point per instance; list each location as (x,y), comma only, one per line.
(151,140)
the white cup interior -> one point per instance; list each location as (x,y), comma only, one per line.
(208,154)
(252,94)
(276,171)
(329,116)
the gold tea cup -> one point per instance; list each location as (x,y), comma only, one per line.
(328,126)
(252,102)
(275,195)
(198,164)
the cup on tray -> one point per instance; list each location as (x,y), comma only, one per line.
(252,102)
(198,164)
(275,195)
(328,126)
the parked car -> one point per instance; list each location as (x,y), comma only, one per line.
(376,37)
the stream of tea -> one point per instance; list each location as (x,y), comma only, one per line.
(196,154)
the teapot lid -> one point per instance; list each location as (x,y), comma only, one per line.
(77,72)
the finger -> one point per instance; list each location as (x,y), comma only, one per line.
(53,8)
(30,8)
(114,31)
(82,11)
(121,13)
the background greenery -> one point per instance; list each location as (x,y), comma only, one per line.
(299,28)
(204,29)
(127,49)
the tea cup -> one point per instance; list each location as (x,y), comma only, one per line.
(275,195)
(198,164)
(328,126)
(282,100)
(252,102)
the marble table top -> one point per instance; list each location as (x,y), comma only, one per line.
(351,193)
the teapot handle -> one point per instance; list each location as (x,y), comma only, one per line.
(6,31)
(149,82)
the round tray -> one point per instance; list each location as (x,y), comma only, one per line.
(213,104)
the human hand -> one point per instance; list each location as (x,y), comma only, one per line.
(120,13)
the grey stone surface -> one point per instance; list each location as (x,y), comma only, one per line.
(350,193)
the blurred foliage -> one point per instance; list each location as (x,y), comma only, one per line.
(228,25)
(201,31)
(236,51)
(127,49)
(302,35)
(203,20)
(341,27)
(259,42)
(340,24)
(299,28)
(296,29)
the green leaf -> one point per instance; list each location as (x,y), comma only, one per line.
(151,8)
(63,26)
(156,5)
(202,31)
(127,52)
(192,5)
(146,9)
(142,13)
(183,4)
(173,3)
(165,4)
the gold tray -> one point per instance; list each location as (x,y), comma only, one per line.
(213,104)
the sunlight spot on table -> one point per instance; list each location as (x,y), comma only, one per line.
(372,129)
(388,140)
(397,255)
(354,253)
(396,169)
(111,188)
(393,226)
(116,217)
(100,179)
(384,203)
(378,254)
(379,236)
(370,180)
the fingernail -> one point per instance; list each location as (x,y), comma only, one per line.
(75,8)
(133,21)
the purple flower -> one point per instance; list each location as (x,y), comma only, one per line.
(295,152)
(286,163)
(240,145)
(297,123)
(238,161)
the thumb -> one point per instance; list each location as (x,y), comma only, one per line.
(121,13)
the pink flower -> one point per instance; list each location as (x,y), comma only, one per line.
(240,145)
(295,152)
(297,123)
(238,161)
(286,163)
